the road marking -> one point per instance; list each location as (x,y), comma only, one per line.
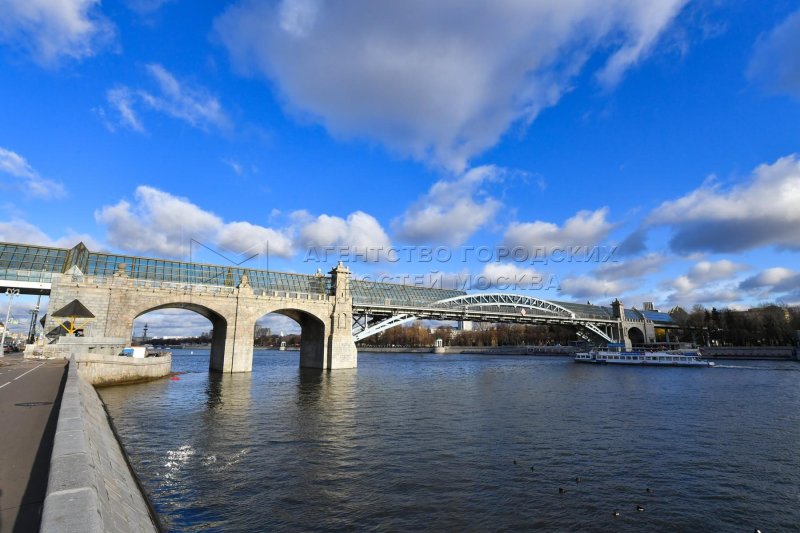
(28,372)
(4,384)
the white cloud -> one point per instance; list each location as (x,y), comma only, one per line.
(21,175)
(642,28)
(18,230)
(717,295)
(123,100)
(360,234)
(706,282)
(248,239)
(162,224)
(759,212)
(707,271)
(279,324)
(632,268)
(297,17)
(775,62)
(776,282)
(439,81)
(513,277)
(586,228)
(590,287)
(181,100)
(52,30)
(185,323)
(451,211)
(237,167)
(158,223)
(22,231)
(171,323)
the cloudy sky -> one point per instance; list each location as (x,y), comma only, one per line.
(580,150)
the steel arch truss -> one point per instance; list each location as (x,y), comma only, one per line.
(499,299)
(362,329)
(504,304)
(594,329)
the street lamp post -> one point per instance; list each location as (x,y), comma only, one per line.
(34,316)
(11,293)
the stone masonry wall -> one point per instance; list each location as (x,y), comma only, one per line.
(116,302)
(100,369)
(91,488)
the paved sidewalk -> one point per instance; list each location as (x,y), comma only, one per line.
(30,395)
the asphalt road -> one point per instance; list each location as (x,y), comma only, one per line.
(30,395)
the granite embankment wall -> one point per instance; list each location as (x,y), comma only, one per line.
(100,369)
(749,352)
(91,486)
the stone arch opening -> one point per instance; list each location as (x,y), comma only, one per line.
(313,335)
(636,336)
(218,325)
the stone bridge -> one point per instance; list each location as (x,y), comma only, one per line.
(116,301)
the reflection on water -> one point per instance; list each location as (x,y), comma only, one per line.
(466,442)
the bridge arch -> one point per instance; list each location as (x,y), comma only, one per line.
(219,326)
(636,335)
(314,329)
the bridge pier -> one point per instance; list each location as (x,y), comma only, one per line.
(342,351)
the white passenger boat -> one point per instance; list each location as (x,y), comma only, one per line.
(671,358)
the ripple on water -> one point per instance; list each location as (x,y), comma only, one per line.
(426,442)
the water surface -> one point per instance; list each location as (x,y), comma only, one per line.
(429,442)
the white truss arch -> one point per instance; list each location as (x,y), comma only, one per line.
(537,306)
(383,325)
(507,300)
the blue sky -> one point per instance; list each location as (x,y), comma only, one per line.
(667,131)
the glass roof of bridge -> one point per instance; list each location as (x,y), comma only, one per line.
(602,311)
(31,263)
(376,293)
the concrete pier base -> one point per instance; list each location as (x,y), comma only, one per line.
(113,369)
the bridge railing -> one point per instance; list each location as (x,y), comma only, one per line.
(196,288)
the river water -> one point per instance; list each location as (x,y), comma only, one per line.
(466,443)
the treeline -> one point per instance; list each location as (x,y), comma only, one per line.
(495,335)
(275,340)
(767,325)
(199,339)
(261,341)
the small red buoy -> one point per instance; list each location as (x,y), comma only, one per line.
(175,378)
